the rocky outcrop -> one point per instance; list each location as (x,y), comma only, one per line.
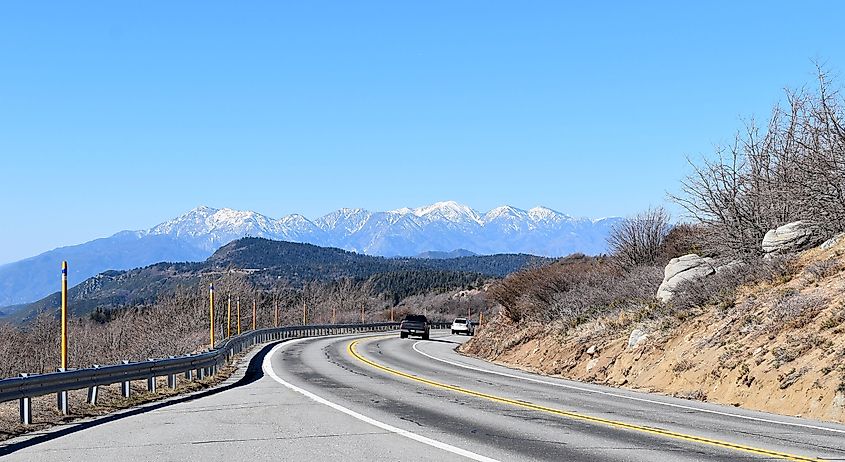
(828,244)
(788,238)
(637,336)
(682,269)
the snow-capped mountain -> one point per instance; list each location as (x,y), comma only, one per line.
(443,226)
(210,229)
(196,234)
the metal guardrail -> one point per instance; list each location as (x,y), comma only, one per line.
(197,365)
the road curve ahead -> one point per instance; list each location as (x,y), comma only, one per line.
(425,388)
(365,398)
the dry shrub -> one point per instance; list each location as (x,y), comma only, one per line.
(819,270)
(682,239)
(637,240)
(793,306)
(575,290)
(682,366)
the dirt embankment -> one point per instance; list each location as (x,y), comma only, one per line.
(780,347)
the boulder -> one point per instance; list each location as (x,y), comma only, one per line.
(832,241)
(730,266)
(790,237)
(637,336)
(839,399)
(683,269)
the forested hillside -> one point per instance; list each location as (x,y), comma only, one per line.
(273,265)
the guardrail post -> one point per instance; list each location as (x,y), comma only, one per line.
(125,387)
(171,381)
(151,381)
(93,391)
(61,398)
(189,374)
(200,373)
(26,407)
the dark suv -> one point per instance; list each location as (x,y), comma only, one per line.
(414,324)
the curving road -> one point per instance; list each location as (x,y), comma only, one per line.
(385,398)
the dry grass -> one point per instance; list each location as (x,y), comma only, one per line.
(45,413)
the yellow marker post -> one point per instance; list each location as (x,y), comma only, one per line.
(239,315)
(211,311)
(254,311)
(275,314)
(64,315)
(229,316)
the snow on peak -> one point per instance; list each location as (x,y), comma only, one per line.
(449,210)
(505,212)
(545,214)
(351,219)
(203,209)
(401,211)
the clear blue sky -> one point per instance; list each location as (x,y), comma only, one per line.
(119,115)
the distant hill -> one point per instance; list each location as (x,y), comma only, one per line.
(30,279)
(434,254)
(268,261)
(430,230)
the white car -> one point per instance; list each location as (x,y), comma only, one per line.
(462,326)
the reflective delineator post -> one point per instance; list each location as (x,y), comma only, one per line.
(229,317)
(26,407)
(211,311)
(64,315)
(239,314)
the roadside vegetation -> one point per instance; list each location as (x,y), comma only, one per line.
(177,322)
(791,169)
(758,323)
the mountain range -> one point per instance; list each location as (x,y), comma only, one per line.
(428,231)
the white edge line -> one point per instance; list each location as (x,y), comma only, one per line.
(268,369)
(631,398)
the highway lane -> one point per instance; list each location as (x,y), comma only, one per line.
(385,398)
(253,418)
(507,417)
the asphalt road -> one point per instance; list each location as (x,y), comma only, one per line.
(385,398)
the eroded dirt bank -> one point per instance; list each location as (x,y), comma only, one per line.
(779,348)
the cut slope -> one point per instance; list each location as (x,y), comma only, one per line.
(780,347)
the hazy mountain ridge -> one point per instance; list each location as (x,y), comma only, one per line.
(196,234)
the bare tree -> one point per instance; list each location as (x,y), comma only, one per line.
(792,170)
(637,240)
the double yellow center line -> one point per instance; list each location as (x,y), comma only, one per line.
(351,348)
